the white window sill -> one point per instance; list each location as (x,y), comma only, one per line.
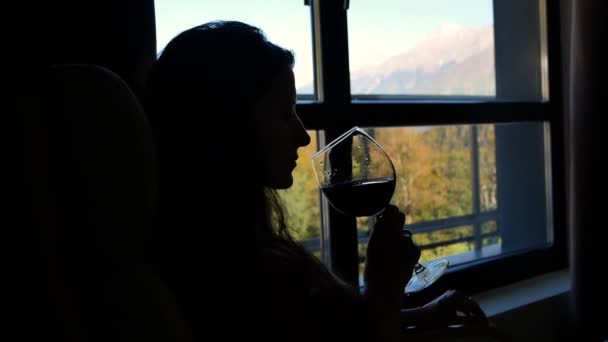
(513,296)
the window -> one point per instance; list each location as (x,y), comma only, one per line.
(456,205)
(286,23)
(431,48)
(462,97)
(466,98)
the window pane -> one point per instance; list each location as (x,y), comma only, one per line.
(521,50)
(409,47)
(487,167)
(433,166)
(285,22)
(302,200)
(469,191)
(445,242)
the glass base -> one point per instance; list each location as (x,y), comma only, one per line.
(434,270)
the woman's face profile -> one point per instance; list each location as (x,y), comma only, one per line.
(280,130)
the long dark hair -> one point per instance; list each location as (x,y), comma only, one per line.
(200,96)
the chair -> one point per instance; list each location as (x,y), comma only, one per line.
(90,175)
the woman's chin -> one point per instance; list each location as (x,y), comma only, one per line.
(281,184)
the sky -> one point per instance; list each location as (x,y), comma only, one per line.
(378,29)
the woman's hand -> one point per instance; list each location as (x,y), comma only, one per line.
(388,267)
(452,308)
(391,255)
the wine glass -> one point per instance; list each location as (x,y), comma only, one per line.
(358,179)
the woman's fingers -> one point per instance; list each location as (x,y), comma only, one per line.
(390,254)
(392,219)
(460,306)
(467,303)
(468,306)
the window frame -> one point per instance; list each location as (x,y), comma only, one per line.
(333,112)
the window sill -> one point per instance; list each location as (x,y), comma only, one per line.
(513,296)
(466,257)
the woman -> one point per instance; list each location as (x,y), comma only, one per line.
(221,100)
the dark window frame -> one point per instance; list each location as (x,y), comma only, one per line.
(333,112)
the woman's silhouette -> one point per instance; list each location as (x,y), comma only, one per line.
(221,101)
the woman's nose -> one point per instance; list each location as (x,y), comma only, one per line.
(306,138)
(303,139)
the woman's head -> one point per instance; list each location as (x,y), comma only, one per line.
(225,84)
(221,101)
(280,130)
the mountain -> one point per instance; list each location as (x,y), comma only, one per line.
(450,60)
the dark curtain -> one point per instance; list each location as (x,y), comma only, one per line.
(589,252)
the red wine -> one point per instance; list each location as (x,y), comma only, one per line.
(361,198)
